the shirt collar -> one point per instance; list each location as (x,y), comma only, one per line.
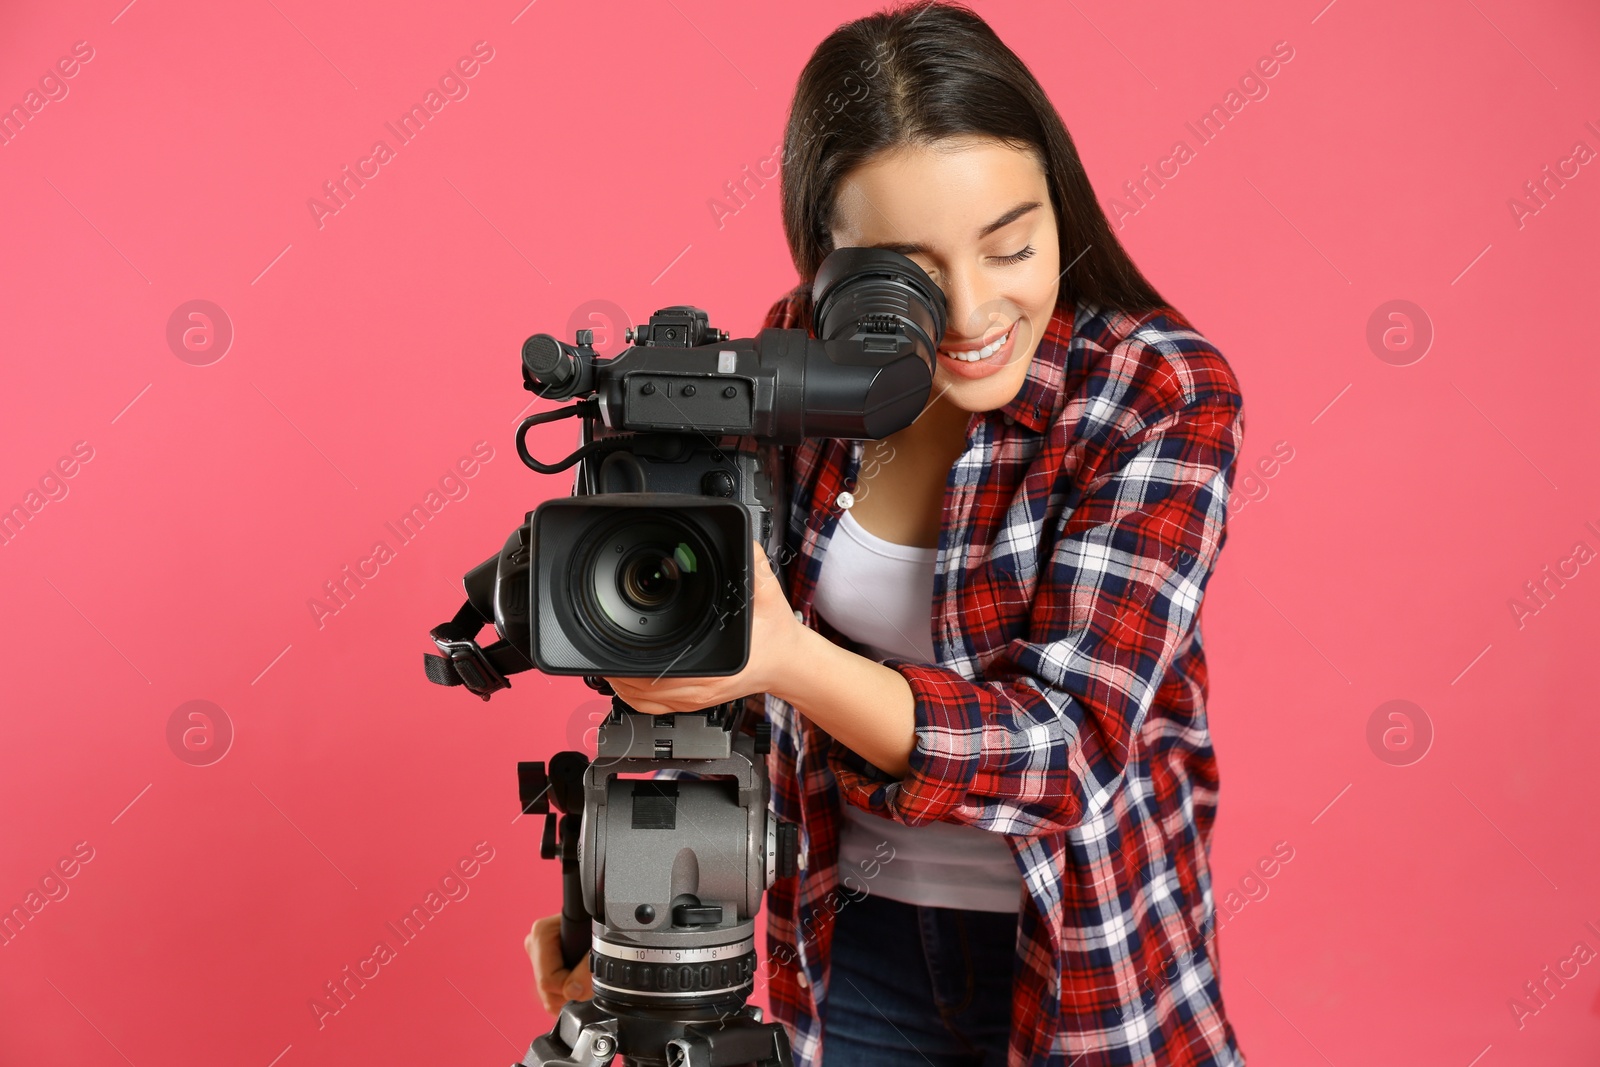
(1042,394)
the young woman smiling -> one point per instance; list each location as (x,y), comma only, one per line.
(983,659)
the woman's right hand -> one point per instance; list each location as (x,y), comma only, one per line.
(556,982)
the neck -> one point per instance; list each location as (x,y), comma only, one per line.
(941,428)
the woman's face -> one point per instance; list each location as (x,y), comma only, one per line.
(976,215)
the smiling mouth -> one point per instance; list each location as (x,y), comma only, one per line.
(976,354)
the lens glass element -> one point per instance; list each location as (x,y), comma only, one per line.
(650,578)
(644,585)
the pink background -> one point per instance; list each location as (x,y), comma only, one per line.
(369,355)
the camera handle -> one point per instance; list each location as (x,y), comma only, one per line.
(562,785)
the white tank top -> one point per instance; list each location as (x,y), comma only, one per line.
(879,594)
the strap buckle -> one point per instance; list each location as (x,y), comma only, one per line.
(471,665)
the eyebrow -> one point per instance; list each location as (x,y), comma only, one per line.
(907,248)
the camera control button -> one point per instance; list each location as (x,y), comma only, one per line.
(718,483)
(847,500)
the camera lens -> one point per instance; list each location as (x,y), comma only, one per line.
(640,585)
(650,578)
(643,584)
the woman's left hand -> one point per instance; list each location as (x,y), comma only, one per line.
(775,637)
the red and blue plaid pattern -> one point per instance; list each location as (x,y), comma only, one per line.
(1067,706)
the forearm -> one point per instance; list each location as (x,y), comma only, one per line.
(864,705)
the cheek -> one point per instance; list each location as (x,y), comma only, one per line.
(1038,304)
(1040,287)
(1034,326)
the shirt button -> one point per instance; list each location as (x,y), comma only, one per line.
(800,861)
(847,500)
(805,983)
(1010,419)
(799,616)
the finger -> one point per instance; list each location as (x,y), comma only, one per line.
(638,701)
(530,945)
(565,985)
(630,689)
(579,984)
(544,944)
(553,981)
(544,949)
(552,993)
(552,1001)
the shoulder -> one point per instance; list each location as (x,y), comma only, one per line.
(1128,372)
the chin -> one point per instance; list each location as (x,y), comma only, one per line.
(987,395)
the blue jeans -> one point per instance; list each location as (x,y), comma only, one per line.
(914,986)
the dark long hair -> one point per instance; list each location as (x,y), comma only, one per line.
(919,73)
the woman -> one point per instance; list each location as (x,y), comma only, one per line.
(1005,802)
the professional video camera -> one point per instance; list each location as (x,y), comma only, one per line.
(647,570)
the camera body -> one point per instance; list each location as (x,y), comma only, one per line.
(647,568)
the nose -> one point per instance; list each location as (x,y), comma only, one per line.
(972,307)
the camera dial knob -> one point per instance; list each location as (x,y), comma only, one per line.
(717,483)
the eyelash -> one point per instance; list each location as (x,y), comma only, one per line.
(1010,260)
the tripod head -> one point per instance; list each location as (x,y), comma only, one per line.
(666,847)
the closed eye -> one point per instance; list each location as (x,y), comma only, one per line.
(1017,257)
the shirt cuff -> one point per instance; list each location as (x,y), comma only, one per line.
(943,761)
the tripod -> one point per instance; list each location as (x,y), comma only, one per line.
(661,879)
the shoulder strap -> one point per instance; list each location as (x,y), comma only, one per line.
(481,670)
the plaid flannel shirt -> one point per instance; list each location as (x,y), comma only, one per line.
(1067,707)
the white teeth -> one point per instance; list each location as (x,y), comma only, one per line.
(981,353)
